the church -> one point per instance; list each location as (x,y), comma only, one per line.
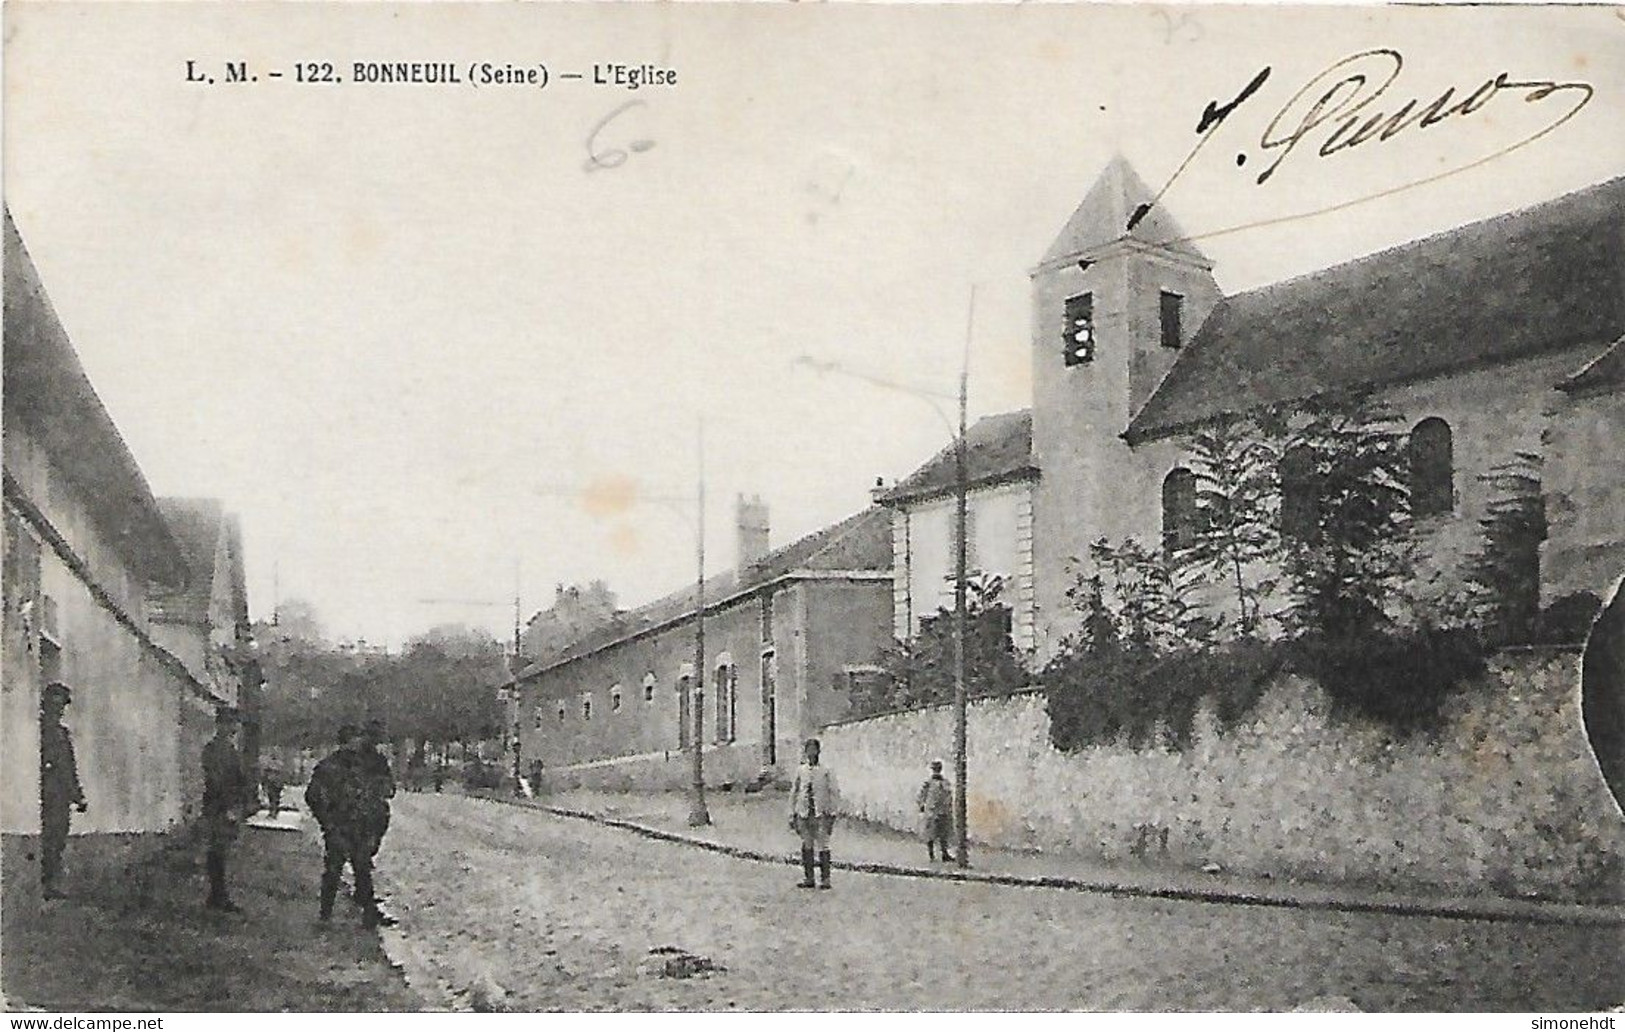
(1492,339)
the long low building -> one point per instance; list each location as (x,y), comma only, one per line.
(91,560)
(786,634)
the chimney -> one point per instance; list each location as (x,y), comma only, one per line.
(750,524)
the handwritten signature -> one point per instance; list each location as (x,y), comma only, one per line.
(1339,108)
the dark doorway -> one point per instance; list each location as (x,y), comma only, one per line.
(770,714)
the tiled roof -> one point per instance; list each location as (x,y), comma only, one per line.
(997,448)
(47,393)
(1605,371)
(859,542)
(1538,280)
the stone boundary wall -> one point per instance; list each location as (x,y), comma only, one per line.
(734,765)
(1507,799)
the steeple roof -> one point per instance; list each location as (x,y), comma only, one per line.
(1106,212)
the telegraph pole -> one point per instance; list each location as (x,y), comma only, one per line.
(961,505)
(961,574)
(697,814)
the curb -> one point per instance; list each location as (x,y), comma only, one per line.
(1572,914)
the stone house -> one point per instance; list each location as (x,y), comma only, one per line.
(88,556)
(205,622)
(1485,341)
(785,632)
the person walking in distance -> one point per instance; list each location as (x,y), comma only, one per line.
(58,783)
(815,799)
(336,796)
(936,800)
(228,794)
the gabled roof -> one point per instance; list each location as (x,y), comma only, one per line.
(1605,372)
(1108,208)
(1538,280)
(48,394)
(196,524)
(859,542)
(997,448)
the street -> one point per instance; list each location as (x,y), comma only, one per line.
(513,908)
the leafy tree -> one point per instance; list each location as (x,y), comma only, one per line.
(1148,596)
(921,670)
(1351,553)
(1506,568)
(1238,504)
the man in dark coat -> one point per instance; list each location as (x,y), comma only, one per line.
(338,797)
(59,785)
(228,795)
(378,785)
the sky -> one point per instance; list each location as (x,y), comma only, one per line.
(429,350)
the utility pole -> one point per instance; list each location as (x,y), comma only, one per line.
(515,714)
(698,816)
(961,574)
(961,505)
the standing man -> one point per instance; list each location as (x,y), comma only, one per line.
(936,801)
(815,799)
(336,799)
(228,794)
(378,786)
(272,781)
(59,786)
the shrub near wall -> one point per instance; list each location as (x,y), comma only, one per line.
(1506,798)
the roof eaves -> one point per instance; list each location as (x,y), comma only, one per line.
(928,492)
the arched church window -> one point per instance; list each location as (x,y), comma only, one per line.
(1432,468)
(1179,516)
(1300,494)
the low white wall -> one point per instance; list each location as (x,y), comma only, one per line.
(1506,798)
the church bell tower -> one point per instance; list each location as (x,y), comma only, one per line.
(1115,299)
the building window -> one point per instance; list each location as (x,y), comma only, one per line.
(1171,330)
(1432,468)
(971,562)
(539,718)
(685,716)
(726,679)
(1078,339)
(767,618)
(561,712)
(1179,516)
(1300,494)
(586,706)
(770,709)
(615,699)
(649,687)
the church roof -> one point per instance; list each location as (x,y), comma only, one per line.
(997,448)
(1534,281)
(1107,211)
